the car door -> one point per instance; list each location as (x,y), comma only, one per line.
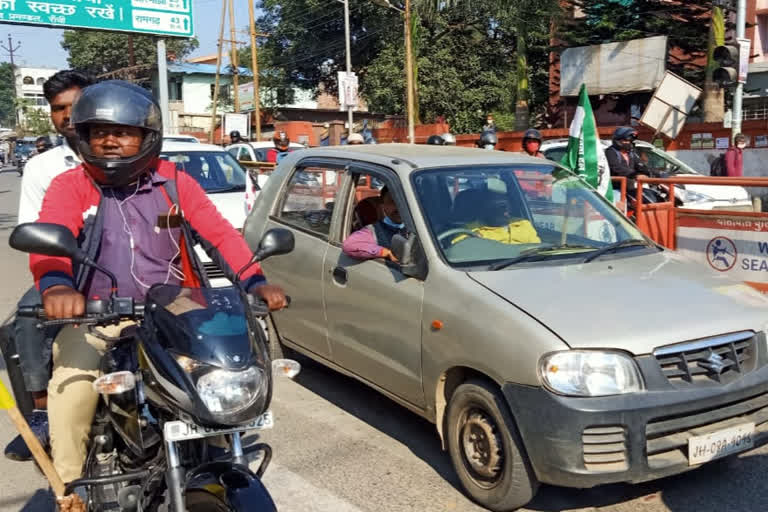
(306,207)
(373,310)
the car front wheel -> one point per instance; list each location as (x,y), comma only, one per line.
(486,449)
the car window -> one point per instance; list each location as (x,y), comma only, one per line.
(480,215)
(366,207)
(309,199)
(245,154)
(215,171)
(555,154)
(234,151)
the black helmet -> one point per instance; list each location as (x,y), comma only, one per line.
(121,103)
(624,137)
(488,138)
(532,134)
(234,136)
(436,140)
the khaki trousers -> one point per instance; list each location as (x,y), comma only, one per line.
(72,400)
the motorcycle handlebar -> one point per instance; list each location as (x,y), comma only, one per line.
(97,312)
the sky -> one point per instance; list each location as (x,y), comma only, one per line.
(41,46)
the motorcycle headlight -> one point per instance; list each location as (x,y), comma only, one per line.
(226,393)
(589,373)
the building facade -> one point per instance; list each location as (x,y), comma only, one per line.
(29,88)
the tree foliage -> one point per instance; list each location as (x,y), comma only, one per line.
(100,52)
(464,53)
(684,22)
(7,104)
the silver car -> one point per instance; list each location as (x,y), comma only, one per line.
(546,337)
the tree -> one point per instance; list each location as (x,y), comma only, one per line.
(7,95)
(36,121)
(713,100)
(101,52)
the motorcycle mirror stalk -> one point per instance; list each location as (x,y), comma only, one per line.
(54,240)
(275,242)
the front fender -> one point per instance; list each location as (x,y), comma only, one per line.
(234,484)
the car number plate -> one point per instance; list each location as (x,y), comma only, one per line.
(721,443)
(184,431)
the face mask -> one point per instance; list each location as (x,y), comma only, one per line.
(741,145)
(532,147)
(389,222)
(489,146)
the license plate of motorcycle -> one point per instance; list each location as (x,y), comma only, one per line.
(184,431)
(720,443)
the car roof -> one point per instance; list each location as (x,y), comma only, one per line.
(172,145)
(418,156)
(263,144)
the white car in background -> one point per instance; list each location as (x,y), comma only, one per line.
(700,197)
(222,178)
(181,138)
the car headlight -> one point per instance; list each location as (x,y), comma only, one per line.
(589,373)
(696,197)
(226,393)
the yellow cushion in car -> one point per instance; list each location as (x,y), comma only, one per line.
(516,232)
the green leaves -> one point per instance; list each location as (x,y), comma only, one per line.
(100,52)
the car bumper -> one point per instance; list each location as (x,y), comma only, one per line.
(630,438)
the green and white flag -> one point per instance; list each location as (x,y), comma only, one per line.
(585,155)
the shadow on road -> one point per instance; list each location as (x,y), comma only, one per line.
(734,483)
(376,410)
(41,501)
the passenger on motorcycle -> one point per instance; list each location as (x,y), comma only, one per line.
(622,158)
(282,147)
(487,140)
(532,143)
(134,215)
(32,344)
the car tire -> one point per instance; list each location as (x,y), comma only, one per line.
(486,449)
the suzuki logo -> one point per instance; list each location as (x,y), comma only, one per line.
(714,363)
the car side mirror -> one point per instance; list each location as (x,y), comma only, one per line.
(275,242)
(48,239)
(409,253)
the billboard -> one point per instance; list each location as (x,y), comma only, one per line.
(160,17)
(614,68)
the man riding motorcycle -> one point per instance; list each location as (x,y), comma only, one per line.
(282,147)
(532,143)
(133,214)
(487,140)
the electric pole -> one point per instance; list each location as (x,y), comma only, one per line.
(738,95)
(350,108)
(255,68)
(220,47)
(11,50)
(233,59)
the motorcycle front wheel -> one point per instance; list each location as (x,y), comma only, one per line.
(202,501)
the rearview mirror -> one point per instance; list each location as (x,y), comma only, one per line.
(47,239)
(408,252)
(275,242)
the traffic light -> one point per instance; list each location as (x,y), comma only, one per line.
(727,57)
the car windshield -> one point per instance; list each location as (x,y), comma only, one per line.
(662,163)
(215,171)
(523,214)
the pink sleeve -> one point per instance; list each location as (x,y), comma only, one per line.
(730,163)
(362,245)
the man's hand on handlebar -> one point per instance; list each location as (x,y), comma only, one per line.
(273,295)
(61,301)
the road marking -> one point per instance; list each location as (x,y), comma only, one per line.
(291,492)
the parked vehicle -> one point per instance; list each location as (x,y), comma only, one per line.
(660,163)
(222,178)
(564,358)
(197,367)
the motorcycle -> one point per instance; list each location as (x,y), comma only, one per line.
(194,370)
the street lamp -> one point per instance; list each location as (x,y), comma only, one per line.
(408,63)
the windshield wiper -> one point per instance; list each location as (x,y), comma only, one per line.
(632,242)
(534,252)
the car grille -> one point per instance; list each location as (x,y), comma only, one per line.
(667,437)
(213,271)
(605,449)
(720,359)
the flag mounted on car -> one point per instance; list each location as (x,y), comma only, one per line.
(585,155)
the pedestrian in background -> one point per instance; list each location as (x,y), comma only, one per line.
(734,157)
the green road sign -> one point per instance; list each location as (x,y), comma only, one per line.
(162,17)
